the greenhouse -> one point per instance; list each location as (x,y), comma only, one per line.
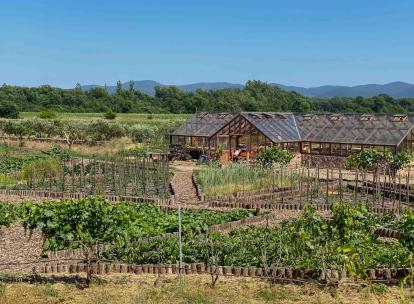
(241,135)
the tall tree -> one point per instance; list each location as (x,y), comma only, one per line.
(131,87)
(119,88)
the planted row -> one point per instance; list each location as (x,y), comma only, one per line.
(347,242)
(93,220)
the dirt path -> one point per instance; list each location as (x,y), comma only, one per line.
(185,192)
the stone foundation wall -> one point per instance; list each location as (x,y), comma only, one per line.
(323,161)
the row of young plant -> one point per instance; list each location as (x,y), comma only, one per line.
(267,172)
(347,242)
(215,180)
(89,132)
(93,220)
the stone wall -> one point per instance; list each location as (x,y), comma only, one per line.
(323,161)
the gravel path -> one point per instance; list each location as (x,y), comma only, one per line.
(185,192)
(19,246)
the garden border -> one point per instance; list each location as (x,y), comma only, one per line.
(283,273)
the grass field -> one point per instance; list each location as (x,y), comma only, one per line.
(142,118)
(147,289)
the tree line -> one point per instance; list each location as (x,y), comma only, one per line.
(254,96)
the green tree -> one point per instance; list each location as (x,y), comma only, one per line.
(8,109)
(131,87)
(119,87)
(87,223)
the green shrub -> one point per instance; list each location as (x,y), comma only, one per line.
(406,229)
(142,133)
(274,155)
(58,152)
(48,114)
(110,115)
(8,214)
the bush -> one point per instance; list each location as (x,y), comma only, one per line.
(101,130)
(406,229)
(371,159)
(274,155)
(48,114)
(9,109)
(142,134)
(8,214)
(367,159)
(111,115)
(60,153)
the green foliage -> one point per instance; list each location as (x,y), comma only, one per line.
(110,115)
(306,243)
(136,234)
(255,96)
(8,109)
(406,229)
(217,180)
(8,214)
(142,133)
(71,223)
(368,159)
(352,222)
(41,168)
(10,163)
(274,155)
(57,151)
(371,159)
(76,223)
(402,160)
(48,114)
(101,130)
(379,288)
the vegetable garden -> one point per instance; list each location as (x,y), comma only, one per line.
(131,173)
(141,234)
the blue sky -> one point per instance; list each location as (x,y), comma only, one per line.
(305,43)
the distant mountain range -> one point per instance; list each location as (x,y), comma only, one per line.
(394,89)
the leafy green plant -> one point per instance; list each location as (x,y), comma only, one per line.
(368,159)
(58,152)
(270,156)
(110,115)
(8,214)
(406,229)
